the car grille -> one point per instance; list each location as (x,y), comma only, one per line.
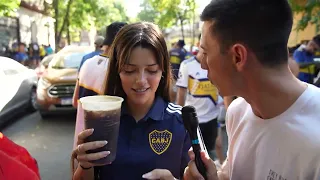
(62,90)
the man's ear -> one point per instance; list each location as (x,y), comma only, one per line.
(239,56)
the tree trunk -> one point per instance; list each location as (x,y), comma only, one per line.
(68,32)
(65,19)
(193,28)
(181,24)
(56,17)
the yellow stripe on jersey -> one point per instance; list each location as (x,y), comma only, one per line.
(310,69)
(202,88)
(90,88)
(175,60)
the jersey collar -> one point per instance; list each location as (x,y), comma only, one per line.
(195,57)
(103,55)
(155,113)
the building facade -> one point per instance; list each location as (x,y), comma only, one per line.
(31,24)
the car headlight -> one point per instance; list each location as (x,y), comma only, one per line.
(43,83)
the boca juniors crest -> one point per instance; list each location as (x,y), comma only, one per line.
(160,141)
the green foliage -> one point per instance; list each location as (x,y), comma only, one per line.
(148,13)
(83,14)
(8,7)
(310,10)
(167,13)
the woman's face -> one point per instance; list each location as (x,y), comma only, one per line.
(141,76)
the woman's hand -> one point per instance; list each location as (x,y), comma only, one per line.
(84,158)
(161,174)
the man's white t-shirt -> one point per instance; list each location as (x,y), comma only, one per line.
(202,94)
(286,147)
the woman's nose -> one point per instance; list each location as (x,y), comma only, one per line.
(141,78)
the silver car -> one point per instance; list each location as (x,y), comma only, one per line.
(18,89)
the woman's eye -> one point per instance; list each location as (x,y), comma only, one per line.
(128,72)
(153,72)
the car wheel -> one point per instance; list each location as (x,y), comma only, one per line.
(33,100)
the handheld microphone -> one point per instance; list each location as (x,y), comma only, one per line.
(191,123)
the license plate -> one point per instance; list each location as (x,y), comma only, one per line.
(67,101)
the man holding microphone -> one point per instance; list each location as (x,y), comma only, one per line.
(273,127)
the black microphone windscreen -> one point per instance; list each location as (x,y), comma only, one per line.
(188,109)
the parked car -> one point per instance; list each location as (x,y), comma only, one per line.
(56,87)
(18,89)
(43,66)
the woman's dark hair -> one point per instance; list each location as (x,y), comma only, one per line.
(144,35)
(263,26)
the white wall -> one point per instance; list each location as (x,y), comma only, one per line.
(33,27)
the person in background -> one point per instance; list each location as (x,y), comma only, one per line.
(177,55)
(98,43)
(293,65)
(21,56)
(195,89)
(305,55)
(43,52)
(49,50)
(34,54)
(14,49)
(140,73)
(85,85)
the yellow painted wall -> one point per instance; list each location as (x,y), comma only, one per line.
(296,37)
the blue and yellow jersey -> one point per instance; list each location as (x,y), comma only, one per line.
(302,56)
(176,57)
(159,140)
(93,76)
(202,94)
(89,56)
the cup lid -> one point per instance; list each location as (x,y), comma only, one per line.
(101,103)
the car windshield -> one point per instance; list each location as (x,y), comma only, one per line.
(69,60)
(46,60)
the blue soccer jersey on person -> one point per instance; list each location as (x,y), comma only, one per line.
(158,141)
(302,56)
(21,57)
(176,57)
(88,56)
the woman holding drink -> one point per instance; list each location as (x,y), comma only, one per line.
(151,132)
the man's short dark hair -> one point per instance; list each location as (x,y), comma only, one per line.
(111,32)
(316,39)
(263,26)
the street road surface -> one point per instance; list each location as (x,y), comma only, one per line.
(48,140)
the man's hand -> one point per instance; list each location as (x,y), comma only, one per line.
(192,173)
(161,174)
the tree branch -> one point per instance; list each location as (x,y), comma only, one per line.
(65,19)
